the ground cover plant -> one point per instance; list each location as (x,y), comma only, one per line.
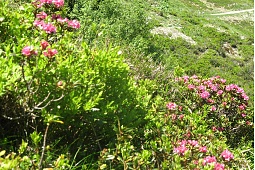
(90,86)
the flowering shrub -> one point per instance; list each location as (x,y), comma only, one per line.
(227,104)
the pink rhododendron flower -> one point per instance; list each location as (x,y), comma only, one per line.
(181,117)
(44,44)
(239,90)
(194,77)
(210,101)
(62,20)
(185,79)
(213,108)
(46,1)
(201,88)
(58,3)
(241,107)
(203,149)
(220,129)
(29,51)
(180,150)
(49,28)
(193,143)
(191,87)
(245,97)
(41,15)
(183,143)
(50,53)
(227,155)
(213,88)
(209,160)
(74,24)
(171,106)
(55,16)
(39,23)
(224,104)
(205,95)
(214,128)
(220,92)
(222,81)
(219,166)
(243,115)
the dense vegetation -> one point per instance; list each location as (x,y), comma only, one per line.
(115,84)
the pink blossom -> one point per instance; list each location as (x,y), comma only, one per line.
(224,103)
(193,143)
(180,150)
(185,78)
(44,44)
(245,97)
(210,101)
(220,92)
(183,143)
(219,166)
(39,23)
(194,77)
(220,129)
(201,88)
(248,123)
(196,162)
(62,20)
(242,107)
(243,115)
(227,155)
(56,16)
(171,106)
(46,1)
(191,87)
(228,88)
(214,128)
(50,53)
(58,3)
(223,81)
(26,51)
(29,51)
(49,28)
(203,149)
(74,24)
(181,117)
(41,15)
(213,108)
(214,88)
(209,160)
(239,90)
(205,95)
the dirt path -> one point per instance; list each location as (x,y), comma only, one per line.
(233,12)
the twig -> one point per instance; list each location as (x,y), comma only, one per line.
(44,144)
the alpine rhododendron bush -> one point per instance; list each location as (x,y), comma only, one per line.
(67,105)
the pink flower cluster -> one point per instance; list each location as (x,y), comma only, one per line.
(50,52)
(215,92)
(193,145)
(74,24)
(184,146)
(227,155)
(29,51)
(56,3)
(171,106)
(47,27)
